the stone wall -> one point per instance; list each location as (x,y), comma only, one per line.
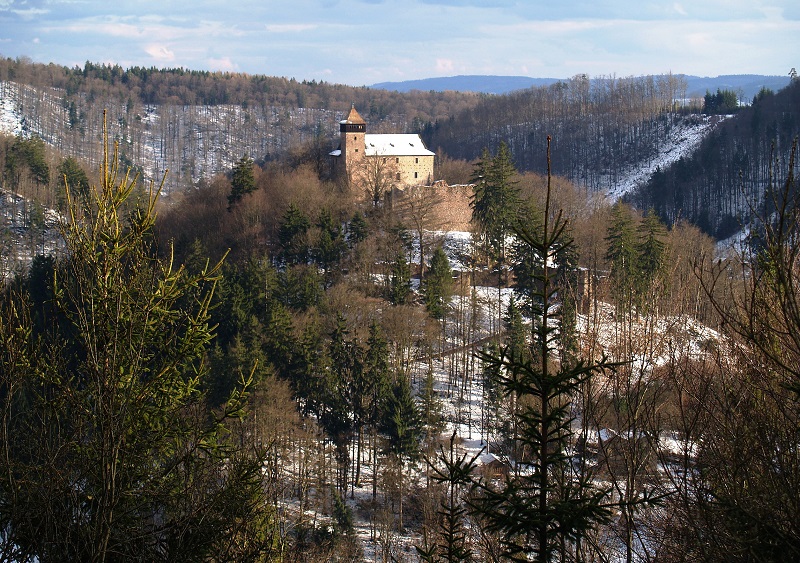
(449,205)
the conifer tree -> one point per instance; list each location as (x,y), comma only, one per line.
(243,180)
(293,236)
(115,455)
(622,256)
(651,250)
(437,287)
(400,281)
(402,429)
(540,512)
(495,203)
(450,541)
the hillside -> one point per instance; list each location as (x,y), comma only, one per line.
(747,85)
(729,175)
(197,124)
(314,396)
(608,135)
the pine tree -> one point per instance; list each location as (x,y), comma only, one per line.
(540,512)
(623,257)
(293,236)
(495,203)
(243,180)
(437,287)
(651,250)
(400,281)
(73,175)
(357,229)
(115,455)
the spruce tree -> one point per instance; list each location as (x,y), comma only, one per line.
(437,287)
(651,250)
(243,180)
(115,455)
(400,281)
(450,541)
(496,202)
(293,236)
(539,512)
(623,257)
(402,429)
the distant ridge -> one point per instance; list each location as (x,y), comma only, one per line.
(485,84)
(746,85)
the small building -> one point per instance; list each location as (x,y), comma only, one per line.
(379,162)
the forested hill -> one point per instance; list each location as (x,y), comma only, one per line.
(600,128)
(197,124)
(728,176)
(194,124)
(604,131)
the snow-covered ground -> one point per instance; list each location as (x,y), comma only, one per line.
(11,118)
(460,389)
(684,137)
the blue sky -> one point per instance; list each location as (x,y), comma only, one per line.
(361,42)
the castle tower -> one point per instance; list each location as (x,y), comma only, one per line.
(352,131)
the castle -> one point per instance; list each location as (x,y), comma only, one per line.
(396,170)
(380,161)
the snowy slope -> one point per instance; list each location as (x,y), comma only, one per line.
(681,142)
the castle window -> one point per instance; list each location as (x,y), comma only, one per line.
(398,175)
(356,150)
(397,160)
(416,174)
(416,161)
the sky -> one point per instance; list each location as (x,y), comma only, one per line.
(363,42)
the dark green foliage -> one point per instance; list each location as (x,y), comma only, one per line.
(27,156)
(375,394)
(401,424)
(651,250)
(538,512)
(114,455)
(300,287)
(243,180)
(450,541)
(400,281)
(636,258)
(431,408)
(525,264)
(357,229)
(330,245)
(293,236)
(497,416)
(622,255)
(71,173)
(495,203)
(723,102)
(516,340)
(762,95)
(437,286)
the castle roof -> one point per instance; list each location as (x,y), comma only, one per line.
(354,117)
(395,144)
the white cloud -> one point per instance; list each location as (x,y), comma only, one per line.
(680,9)
(290,27)
(224,64)
(160,53)
(445,65)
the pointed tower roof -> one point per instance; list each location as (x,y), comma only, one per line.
(353,117)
